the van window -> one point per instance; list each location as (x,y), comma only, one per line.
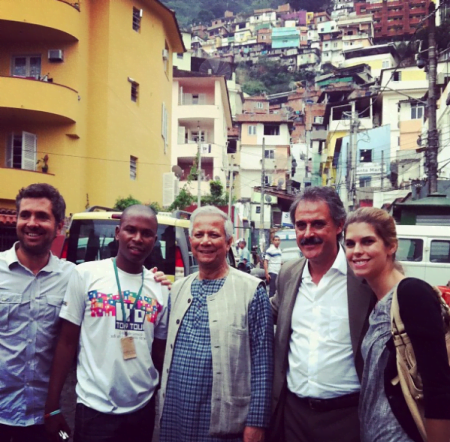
(92,240)
(409,249)
(440,251)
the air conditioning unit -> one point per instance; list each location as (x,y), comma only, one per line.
(55,55)
(165,54)
(318,120)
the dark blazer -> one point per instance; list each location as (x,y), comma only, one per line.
(361,301)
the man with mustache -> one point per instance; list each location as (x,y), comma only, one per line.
(115,314)
(321,310)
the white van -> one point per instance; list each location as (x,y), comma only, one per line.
(424,252)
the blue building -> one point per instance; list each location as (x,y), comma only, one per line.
(283,38)
(373,160)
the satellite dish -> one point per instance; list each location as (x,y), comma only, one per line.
(268,198)
(280,183)
(178,171)
(212,66)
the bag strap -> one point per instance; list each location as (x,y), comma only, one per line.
(397,325)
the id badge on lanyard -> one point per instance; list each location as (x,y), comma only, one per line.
(127,342)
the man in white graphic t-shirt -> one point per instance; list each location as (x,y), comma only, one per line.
(115,314)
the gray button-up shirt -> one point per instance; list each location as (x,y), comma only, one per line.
(29,319)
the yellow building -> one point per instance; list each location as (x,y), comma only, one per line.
(88,85)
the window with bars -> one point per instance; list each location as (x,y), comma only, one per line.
(133,168)
(137,16)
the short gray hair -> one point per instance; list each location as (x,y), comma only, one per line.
(329,196)
(212,210)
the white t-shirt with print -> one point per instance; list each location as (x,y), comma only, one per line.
(106,382)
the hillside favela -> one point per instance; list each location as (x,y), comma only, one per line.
(315,134)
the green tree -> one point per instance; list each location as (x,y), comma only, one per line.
(156,207)
(123,203)
(184,199)
(216,196)
(268,76)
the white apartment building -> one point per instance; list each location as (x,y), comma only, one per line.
(201,114)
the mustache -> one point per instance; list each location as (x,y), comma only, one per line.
(311,241)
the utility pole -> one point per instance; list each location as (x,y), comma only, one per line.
(230,198)
(199,167)
(433,138)
(263,182)
(354,125)
(382,170)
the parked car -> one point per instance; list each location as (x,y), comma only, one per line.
(424,252)
(90,237)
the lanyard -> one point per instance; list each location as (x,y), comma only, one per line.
(122,302)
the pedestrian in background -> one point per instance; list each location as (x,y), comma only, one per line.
(218,366)
(272,264)
(32,286)
(371,243)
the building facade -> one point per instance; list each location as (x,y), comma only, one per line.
(86,91)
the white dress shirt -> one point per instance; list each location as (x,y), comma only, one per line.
(321,363)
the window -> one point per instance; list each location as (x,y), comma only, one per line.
(259,105)
(21,151)
(271,129)
(180,56)
(195,136)
(365,181)
(409,249)
(268,180)
(365,155)
(165,57)
(195,99)
(133,167)
(134,91)
(386,64)
(252,130)
(396,76)
(416,112)
(137,15)
(440,251)
(26,66)
(164,126)
(269,154)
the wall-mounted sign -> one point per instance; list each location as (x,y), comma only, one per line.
(370,168)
